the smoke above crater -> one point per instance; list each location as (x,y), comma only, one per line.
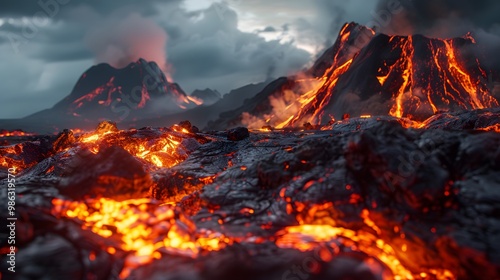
(119,40)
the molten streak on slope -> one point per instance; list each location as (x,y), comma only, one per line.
(416,78)
(458,87)
(312,103)
(109,87)
(312,99)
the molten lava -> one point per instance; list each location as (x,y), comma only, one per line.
(141,226)
(456,87)
(161,151)
(14,133)
(318,230)
(410,77)
(269,194)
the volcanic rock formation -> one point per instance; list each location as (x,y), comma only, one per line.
(367,199)
(139,90)
(366,73)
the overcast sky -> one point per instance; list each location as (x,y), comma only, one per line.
(206,43)
(200,43)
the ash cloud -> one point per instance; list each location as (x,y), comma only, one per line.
(119,40)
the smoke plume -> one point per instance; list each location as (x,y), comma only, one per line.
(120,40)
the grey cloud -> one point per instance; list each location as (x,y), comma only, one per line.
(213,48)
(62,52)
(206,50)
(268,29)
(446,18)
(16,8)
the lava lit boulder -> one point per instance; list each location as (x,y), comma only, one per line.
(112,173)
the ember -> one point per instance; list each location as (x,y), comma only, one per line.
(5,133)
(142,227)
(161,152)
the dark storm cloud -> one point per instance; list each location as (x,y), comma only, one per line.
(62,52)
(205,48)
(57,42)
(321,30)
(336,16)
(445,17)
(268,29)
(214,51)
(16,8)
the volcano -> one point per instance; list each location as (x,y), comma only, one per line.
(366,73)
(103,92)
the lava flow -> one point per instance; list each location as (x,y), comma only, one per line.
(449,85)
(318,231)
(162,152)
(142,227)
(411,77)
(14,133)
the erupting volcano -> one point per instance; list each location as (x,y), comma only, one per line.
(138,91)
(366,73)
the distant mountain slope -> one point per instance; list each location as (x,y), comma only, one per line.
(139,90)
(207,95)
(200,116)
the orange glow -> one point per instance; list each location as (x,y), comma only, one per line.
(317,229)
(178,128)
(109,87)
(458,86)
(495,128)
(195,100)
(142,227)
(14,133)
(9,157)
(182,99)
(313,102)
(313,94)
(162,152)
(405,63)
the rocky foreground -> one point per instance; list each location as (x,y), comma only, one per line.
(367,199)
